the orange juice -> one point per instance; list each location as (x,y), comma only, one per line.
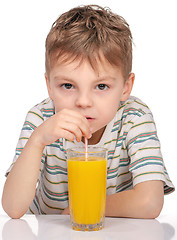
(87,189)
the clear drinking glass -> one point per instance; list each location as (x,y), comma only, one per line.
(87,187)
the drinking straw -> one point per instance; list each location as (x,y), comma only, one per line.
(86,149)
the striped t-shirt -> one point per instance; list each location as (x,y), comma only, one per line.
(134,155)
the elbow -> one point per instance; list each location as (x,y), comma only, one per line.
(14,214)
(12,211)
(152,207)
(152,213)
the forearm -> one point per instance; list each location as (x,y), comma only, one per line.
(20,185)
(144,201)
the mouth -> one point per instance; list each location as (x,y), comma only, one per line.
(89,118)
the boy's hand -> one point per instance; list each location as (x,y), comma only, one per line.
(64,124)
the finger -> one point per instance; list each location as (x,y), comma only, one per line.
(79,127)
(67,135)
(72,128)
(72,117)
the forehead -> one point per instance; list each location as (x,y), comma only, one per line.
(97,63)
(83,70)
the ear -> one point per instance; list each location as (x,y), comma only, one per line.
(48,86)
(128,85)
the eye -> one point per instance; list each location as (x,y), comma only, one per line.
(67,85)
(102,86)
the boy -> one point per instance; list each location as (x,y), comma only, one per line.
(89,81)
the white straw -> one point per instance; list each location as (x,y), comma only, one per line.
(86,149)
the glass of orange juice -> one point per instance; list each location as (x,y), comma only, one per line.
(87,187)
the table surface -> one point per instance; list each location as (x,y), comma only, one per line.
(31,227)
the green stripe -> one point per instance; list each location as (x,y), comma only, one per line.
(122,174)
(113,140)
(143,159)
(37,115)
(143,135)
(140,124)
(56,208)
(146,173)
(23,138)
(55,167)
(140,103)
(129,122)
(55,183)
(147,148)
(111,187)
(30,124)
(31,210)
(117,156)
(53,155)
(124,185)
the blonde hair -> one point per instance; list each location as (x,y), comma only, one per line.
(88,32)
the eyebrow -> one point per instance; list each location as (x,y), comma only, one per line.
(106,78)
(65,78)
(62,78)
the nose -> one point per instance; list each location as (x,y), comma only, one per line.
(84,100)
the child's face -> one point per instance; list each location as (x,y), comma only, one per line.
(95,95)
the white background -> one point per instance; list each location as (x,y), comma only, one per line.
(24,26)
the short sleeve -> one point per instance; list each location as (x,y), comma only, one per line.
(33,119)
(143,146)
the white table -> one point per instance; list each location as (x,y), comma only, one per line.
(53,227)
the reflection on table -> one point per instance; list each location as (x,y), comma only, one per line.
(58,227)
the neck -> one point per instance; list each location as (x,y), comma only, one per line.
(96,136)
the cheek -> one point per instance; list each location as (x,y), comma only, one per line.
(109,109)
(112,103)
(61,103)
(108,112)
(111,113)
(57,100)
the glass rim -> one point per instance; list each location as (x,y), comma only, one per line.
(93,150)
